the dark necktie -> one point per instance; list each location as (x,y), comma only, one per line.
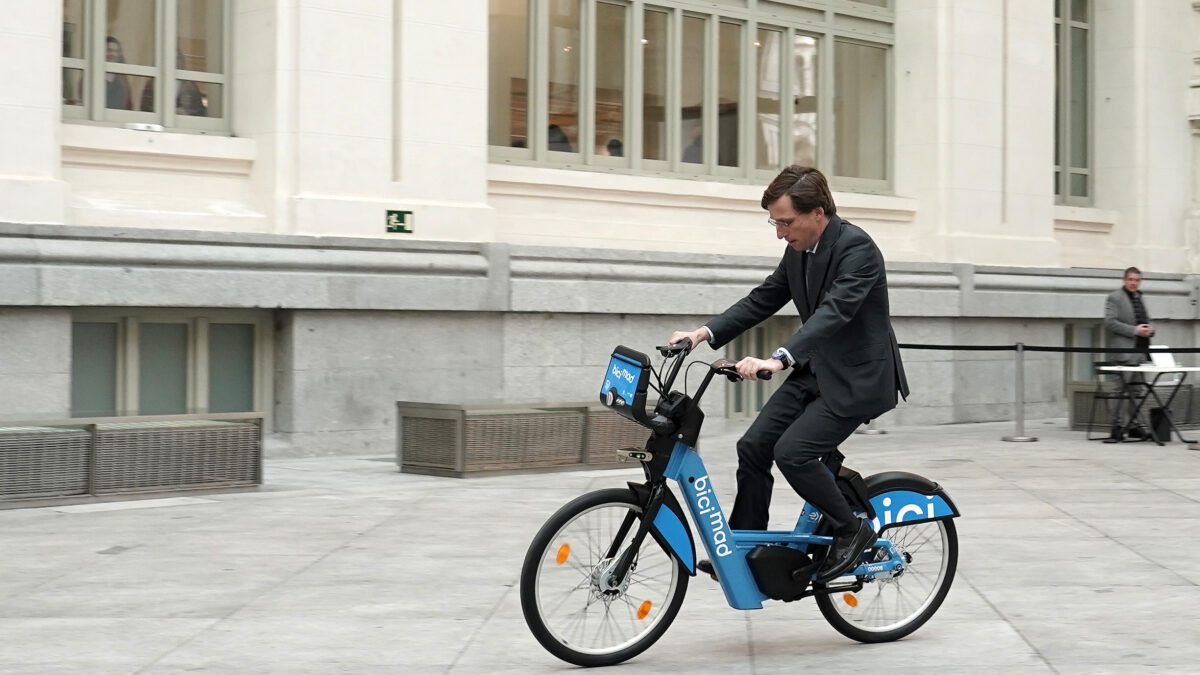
(805,266)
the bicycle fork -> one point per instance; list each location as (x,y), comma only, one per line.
(614,576)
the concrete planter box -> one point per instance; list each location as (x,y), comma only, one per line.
(461,440)
(96,457)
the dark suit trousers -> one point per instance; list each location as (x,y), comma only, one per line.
(795,430)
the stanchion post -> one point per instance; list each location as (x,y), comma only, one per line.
(1020,436)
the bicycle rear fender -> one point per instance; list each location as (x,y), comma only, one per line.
(907,498)
(670,528)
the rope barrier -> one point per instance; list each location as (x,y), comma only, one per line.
(1020,349)
(1065,350)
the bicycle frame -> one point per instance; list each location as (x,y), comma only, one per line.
(679,417)
(727,548)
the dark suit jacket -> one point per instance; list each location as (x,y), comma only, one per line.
(846,337)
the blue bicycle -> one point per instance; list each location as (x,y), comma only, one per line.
(605,576)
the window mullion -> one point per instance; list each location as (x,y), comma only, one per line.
(131,367)
(635,94)
(787,74)
(889,118)
(166,35)
(748,74)
(539,106)
(674,88)
(227,69)
(825,114)
(198,366)
(1064,175)
(710,97)
(95,92)
(588,27)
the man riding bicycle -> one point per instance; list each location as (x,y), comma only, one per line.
(845,361)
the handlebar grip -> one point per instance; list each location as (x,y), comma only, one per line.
(764,374)
(684,345)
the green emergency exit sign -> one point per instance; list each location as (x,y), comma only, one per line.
(400,221)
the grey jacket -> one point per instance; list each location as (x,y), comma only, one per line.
(1120,325)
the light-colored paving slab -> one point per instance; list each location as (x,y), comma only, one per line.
(1076,557)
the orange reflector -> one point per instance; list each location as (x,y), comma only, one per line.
(849,599)
(563,552)
(644,609)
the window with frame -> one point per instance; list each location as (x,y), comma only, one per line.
(1072,102)
(169,363)
(719,89)
(1081,366)
(163,62)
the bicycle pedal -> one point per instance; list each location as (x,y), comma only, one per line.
(639,454)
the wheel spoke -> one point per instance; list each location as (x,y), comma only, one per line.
(597,622)
(897,605)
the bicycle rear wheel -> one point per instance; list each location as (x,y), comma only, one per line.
(891,607)
(570,605)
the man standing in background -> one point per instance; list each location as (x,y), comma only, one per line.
(1127,326)
(1127,321)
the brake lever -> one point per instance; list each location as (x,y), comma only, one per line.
(729,370)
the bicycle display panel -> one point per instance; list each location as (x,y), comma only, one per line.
(625,380)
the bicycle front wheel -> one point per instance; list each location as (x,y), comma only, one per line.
(571,603)
(892,606)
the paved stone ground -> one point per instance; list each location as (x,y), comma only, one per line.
(1076,557)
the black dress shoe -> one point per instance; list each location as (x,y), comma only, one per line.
(845,550)
(706,567)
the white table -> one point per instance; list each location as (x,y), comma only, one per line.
(1130,380)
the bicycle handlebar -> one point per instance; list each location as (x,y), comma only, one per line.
(683,346)
(729,370)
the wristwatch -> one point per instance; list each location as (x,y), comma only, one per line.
(782,356)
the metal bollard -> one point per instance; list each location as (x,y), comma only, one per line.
(1020,436)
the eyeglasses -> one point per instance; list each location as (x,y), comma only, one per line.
(781,223)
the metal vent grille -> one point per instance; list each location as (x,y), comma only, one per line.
(430,442)
(172,455)
(608,432)
(43,462)
(1081,408)
(523,439)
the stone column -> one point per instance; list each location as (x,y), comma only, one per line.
(1143,164)
(31,190)
(974,126)
(1192,224)
(386,110)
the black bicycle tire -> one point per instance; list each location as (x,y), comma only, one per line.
(528,590)
(850,630)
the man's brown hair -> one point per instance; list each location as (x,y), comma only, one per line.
(805,185)
(1131,269)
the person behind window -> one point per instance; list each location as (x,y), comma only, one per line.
(845,361)
(116,85)
(1127,326)
(615,148)
(694,152)
(188,99)
(556,139)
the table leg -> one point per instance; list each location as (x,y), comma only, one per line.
(1166,408)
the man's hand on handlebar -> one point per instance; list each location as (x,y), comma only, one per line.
(696,336)
(749,367)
